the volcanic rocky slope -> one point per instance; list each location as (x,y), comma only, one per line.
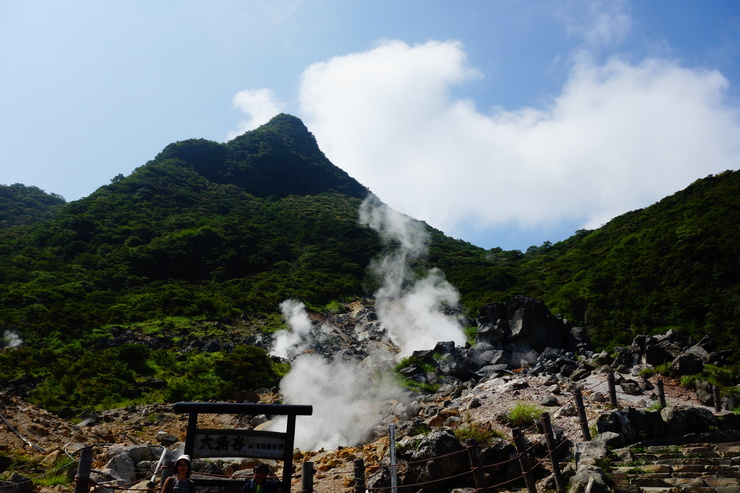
(522,354)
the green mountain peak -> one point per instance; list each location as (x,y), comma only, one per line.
(279,158)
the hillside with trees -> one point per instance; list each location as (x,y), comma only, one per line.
(22,205)
(207,239)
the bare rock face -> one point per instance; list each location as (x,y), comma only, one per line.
(526,323)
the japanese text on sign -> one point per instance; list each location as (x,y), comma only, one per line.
(239,443)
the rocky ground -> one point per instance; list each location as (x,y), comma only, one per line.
(483,402)
(32,431)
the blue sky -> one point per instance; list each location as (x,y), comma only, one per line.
(505,123)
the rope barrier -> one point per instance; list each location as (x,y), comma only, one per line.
(539,462)
(423,483)
(27,442)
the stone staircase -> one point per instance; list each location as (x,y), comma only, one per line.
(694,467)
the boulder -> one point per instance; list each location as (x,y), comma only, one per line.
(25,485)
(647,423)
(654,353)
(589,479)
(704,392)
(9,487)
(699,352)
(122,467)
(589,453)
(617,422)
(165,438)
(436,459)
(611,439)
(490,333)
(686,364)
(532,325)
(580,373)
(484,354)
(683,420)
(630,387)
(503,469)
(526,323)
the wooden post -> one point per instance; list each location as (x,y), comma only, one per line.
(359,475)
(521,448)
(717,400)
(661,393)
(167,470)
(393,470)
(82,479)
(551,449)
(307,478)
(582,416)
(476,463)
(288,457)
(612,390)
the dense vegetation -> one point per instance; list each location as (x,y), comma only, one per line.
(209,238)
(21,205)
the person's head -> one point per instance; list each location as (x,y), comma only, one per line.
(183,463)
(261,471)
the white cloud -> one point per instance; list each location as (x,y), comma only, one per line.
(619,137)
(598,24)
(260,105)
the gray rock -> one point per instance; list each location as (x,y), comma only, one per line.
(611,439)
(589,453)
(682,420)
(25,484)
(165,438)
(579,374)
(9,487)
(589,479)
(686,364)
(549,401)
(122,467)
(630,387)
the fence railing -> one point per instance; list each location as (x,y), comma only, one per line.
(476,474)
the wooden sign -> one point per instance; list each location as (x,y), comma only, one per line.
(211,443)
(239,443)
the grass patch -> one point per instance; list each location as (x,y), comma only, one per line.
(412,384)
(41,474)
(523,414)
(483,433)
(655,406)
(661,369)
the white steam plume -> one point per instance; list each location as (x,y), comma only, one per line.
(346,395)
(289,343)
(407,307)
(346,399)
(11,339)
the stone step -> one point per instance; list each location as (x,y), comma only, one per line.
(694,468)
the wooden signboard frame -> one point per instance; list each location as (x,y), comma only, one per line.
(211,443)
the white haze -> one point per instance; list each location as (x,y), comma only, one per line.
(290,343)
(347,395)
(11,339)
(346,399)
(407,307)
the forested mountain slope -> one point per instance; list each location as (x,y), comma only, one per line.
(210,238)
(674,264)
(21,205)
